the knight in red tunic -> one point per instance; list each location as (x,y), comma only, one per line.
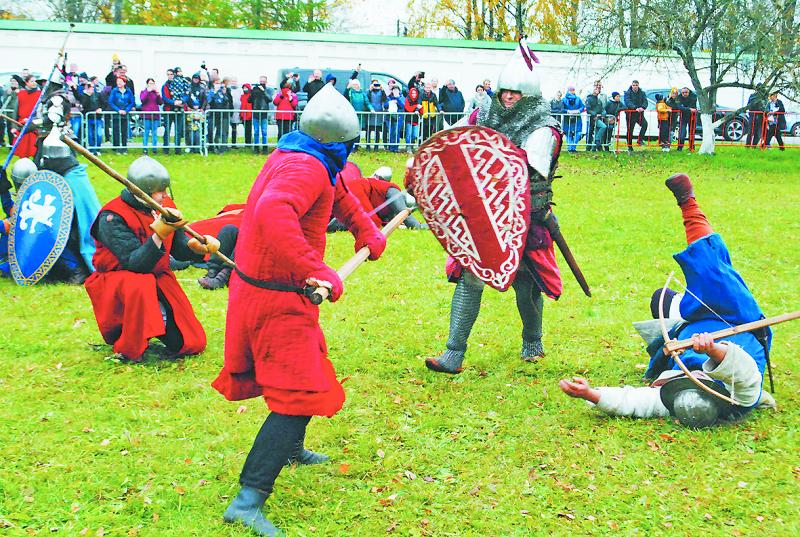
(134,293)
(27,97)
(381,198)
(274,346)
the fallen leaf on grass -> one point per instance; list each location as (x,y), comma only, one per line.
(133,532)
(344,468)
(707,516)
(100,532)
(155,517)
(75,508)
(180,490)
(428,479)
(410,475)
(105,442)
(392,527)
(666,437)
(568,516)
(380,453)
(389,500)
(78,323)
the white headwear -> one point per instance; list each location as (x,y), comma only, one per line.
(519,74)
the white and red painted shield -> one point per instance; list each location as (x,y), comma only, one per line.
(471,184)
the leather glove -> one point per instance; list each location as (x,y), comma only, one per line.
(375,241)
(163,228)
(210,247)
(328,278)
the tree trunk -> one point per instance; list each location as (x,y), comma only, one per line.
(709,136)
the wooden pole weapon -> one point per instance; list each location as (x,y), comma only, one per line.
(138,192)
(321,293)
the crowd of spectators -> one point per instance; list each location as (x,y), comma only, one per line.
(183,109)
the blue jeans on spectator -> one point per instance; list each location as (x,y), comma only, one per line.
(75,125)
(260,124)
(95,133)
(150,133)
(411,134)
(178,119)
(599,136)
(394,134)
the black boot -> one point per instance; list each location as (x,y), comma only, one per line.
(246,508)
(217,280)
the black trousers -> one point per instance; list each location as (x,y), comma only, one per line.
(635,118)
(227,238)
(775,132)
(276,443)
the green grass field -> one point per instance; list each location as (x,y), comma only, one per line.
(90,446)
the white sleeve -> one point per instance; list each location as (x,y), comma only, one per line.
(539,146)
(632,402)
(739,373)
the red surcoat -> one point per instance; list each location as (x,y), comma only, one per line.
(126,303)
(26,101)
(274,346)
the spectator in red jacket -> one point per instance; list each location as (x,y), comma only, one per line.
(246,113)
(286,104)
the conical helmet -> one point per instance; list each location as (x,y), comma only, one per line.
(329,117)
(22,169)
(520,74)
(148,174)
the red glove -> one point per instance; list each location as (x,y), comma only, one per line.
(375,241)
(328,278)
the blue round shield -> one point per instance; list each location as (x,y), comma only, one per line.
(40,226)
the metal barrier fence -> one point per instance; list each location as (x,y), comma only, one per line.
(218,131)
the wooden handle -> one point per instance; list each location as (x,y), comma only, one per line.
(321,293)
(138,192)
(683,344)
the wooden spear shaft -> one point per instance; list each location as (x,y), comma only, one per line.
(354,262)
(138,192)
(10,120)
(683,344)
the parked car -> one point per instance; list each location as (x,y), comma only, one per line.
(732,130)
(792,125)
(342,78)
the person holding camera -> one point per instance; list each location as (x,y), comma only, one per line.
(260,98)
(314,84)
(286,103)
(416,81)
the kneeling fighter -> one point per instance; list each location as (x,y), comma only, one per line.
(134,293)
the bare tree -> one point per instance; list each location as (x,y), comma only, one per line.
(749,44)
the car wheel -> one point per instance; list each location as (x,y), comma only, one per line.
(734,130)
(795,130)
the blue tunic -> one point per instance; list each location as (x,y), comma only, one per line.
(709,275)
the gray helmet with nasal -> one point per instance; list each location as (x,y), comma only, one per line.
(22,169)
(149,175)
(693,406)
(329,117)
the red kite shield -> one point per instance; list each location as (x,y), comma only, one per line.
(471,184)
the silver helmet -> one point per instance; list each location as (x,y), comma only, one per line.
(22,169)
(520,73)
(53,147)
(694,408)
(329,117)
(384,172)
(149,175)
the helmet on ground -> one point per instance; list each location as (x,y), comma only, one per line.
(693,406)
(149,175)
(329,117)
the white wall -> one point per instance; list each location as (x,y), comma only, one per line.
(246,59)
